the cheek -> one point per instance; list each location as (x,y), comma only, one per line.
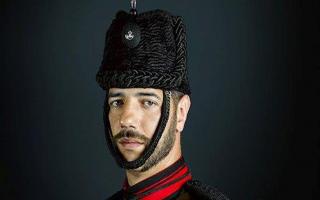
(115,127)
(150,122)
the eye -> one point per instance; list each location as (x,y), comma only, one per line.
(149,103)
(116,103)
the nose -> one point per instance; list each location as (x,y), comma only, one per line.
(129,117)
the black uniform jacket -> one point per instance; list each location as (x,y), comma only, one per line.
(173,183)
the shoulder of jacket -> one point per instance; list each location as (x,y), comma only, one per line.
(203,191)
(116,196)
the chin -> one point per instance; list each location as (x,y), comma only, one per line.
(130,156)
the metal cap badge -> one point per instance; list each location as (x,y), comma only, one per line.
(131,34)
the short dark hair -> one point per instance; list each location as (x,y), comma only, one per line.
(176,96)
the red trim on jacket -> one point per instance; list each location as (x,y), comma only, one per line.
(161,185)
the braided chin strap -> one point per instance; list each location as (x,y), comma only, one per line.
(122,162)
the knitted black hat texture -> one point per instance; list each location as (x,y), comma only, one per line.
(158,59)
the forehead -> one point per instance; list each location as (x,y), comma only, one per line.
(134,91)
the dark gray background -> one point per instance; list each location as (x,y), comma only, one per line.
(253,127)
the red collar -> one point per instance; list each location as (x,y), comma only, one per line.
(162,185)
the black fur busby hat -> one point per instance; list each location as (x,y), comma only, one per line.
(147,50)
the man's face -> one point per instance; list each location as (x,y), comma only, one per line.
(134,115)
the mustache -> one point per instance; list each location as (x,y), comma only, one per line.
(130,134)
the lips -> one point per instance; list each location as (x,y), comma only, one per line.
(130,143)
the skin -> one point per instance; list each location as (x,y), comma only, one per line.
(139,110)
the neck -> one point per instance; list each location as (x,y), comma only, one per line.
(135,176)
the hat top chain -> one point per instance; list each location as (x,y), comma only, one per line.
(133,10)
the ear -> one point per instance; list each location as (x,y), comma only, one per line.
(182,112)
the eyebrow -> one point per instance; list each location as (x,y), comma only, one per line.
(148,95)
(139,94)
(115,94)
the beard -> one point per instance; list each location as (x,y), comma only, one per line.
(162,149)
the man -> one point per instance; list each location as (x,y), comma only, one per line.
(147,101)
